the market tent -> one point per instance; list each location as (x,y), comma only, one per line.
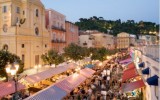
(72,65)
(89,66)
(51,93)
(87,72)
(128,60)
(129,73)
(45,74)
(71,82)
(131,65)
(7,88)
(132,86)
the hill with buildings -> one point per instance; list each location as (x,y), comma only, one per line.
(115,27)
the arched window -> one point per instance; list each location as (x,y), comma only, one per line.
(37,12)
(36,31)
(5,47)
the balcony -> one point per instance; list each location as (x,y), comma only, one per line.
(58,41)
(59,28)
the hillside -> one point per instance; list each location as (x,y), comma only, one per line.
(115,27)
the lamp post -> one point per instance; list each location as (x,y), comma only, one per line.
(11,69)
(37,67)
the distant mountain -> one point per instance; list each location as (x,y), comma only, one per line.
(115,27)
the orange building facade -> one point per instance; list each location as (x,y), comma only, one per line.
(55,23)
(72,35)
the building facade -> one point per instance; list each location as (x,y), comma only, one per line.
(22,30)
(149,55)
(148,39)
(55,23)
(96,39)
(72,33)
(124,40)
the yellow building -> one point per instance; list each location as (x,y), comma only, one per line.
(22,30)
(124,40)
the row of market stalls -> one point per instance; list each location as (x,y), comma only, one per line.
(60,89)
(133,84)
(53,77)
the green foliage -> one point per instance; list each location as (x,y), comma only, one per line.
(52,57)
(115,27)
(74,52)
(99,54)
(5,57)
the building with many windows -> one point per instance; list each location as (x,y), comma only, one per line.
(72,33)
(22,30)
(124,40)
(147,62)
(96,39)
(55,23)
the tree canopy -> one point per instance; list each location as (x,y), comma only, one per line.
(52,57)
(115,27)
(6,57)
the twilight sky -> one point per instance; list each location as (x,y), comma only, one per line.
(146,10)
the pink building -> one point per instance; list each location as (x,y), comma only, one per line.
(55,23)
(71,33)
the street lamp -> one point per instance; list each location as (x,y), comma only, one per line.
(37,67)
(13,69)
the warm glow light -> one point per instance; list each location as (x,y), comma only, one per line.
(100,64)
(35,66)
(8,70)
(13,72)
(39,66)
(16,66)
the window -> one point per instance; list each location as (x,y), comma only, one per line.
(45,45)
(23,12)
(36,59)
(37,12)
(5,47)
(36,31)
(18,10)
(23,58)
(4,9)
(22,45)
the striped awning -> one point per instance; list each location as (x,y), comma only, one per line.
(128,60)
(45,74)
(87,72)
(7,88)
(51,93)
(71,82)
(132,86)
(129,73)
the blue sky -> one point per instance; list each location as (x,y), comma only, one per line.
(146,10)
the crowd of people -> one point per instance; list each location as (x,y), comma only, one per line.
(105,84)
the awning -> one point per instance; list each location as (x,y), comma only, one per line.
(141,65)
(132,86)
(131,65)
(89,66)
(87,72)
(7,88)
(51,93)
(128,60)
(153,80)
(146,71)
(45,74)
(72,65)
(129,73)
(71,82)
